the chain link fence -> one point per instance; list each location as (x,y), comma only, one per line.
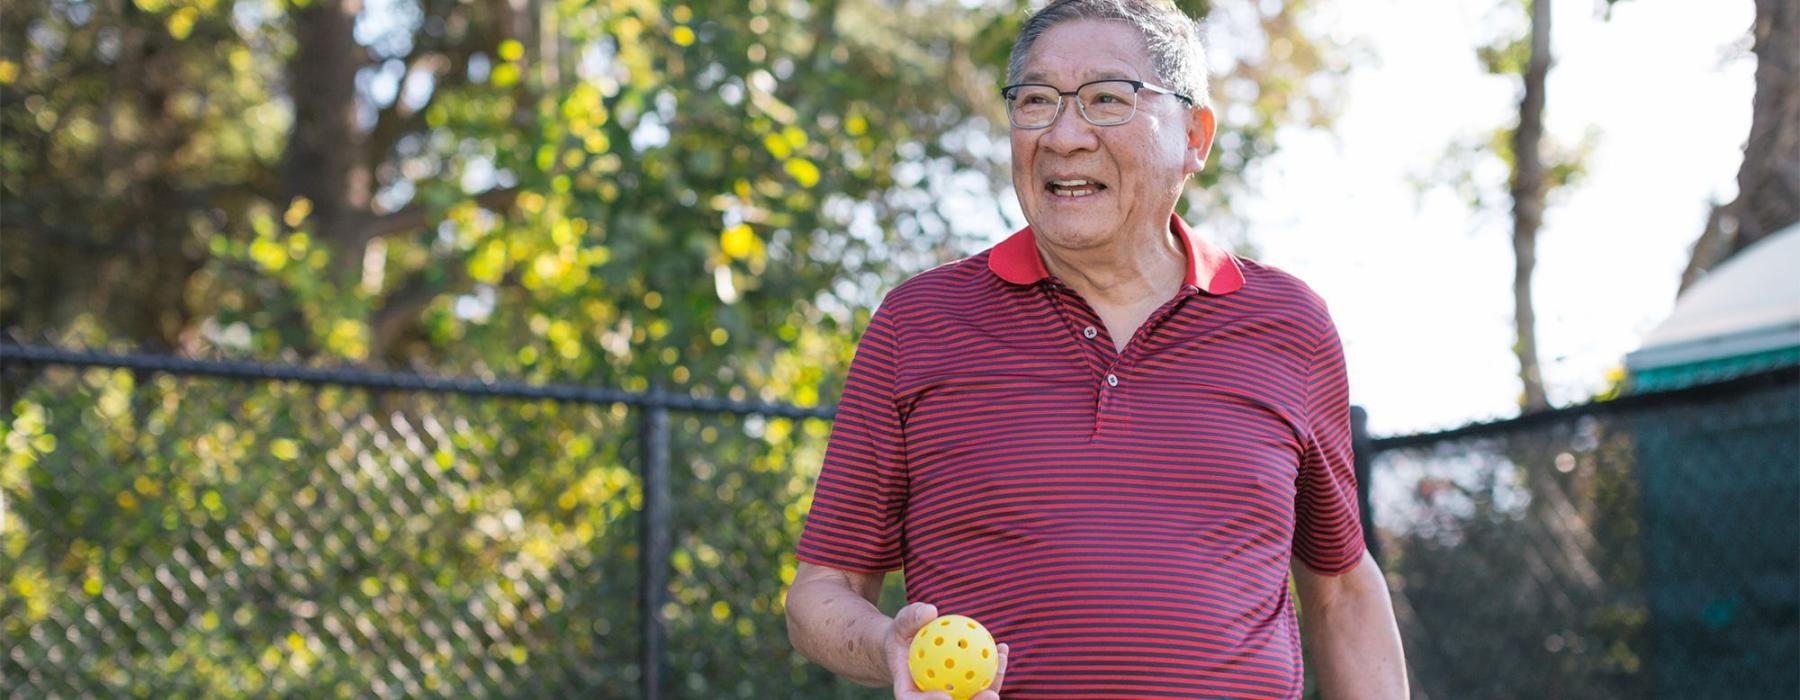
(173,530)
(1643,547)
(326,534)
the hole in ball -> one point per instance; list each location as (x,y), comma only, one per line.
(938,642)
(984,653)
(949,663)
(962,643)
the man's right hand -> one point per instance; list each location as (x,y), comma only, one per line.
(897,643)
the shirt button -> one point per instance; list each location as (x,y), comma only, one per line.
(1089,332)
(1112,380)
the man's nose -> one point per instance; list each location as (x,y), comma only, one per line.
(1070,132)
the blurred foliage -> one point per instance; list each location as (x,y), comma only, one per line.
(1478,166)
(706,197)
(598,190)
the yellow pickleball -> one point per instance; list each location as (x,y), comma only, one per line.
(954,654)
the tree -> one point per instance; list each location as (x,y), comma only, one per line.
(1537,166)
(1768,181)
(1528,185)
(320,178)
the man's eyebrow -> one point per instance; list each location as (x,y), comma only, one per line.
(1088,76)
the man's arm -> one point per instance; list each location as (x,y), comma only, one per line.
(832,619)
(1348,625)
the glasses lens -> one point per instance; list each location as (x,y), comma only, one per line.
(1032,106)
(1108,102)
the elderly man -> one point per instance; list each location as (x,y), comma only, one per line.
(1105,438)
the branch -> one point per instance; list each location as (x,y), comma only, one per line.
(413,217)
(400,311)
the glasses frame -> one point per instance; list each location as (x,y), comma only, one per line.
(1137,86)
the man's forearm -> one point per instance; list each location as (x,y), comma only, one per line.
(840,630)
(1354,640)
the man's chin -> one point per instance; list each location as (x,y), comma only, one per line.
(1074,235)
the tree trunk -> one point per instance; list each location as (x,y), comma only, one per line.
(324,157)
(1528,204)
(1769,179)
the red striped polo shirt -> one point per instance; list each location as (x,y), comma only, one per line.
(1124,520)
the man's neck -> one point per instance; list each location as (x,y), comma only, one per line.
(1140,268)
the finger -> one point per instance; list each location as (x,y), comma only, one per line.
(912,617)
(999,672)
(904,689)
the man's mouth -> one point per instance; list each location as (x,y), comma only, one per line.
(1073,188)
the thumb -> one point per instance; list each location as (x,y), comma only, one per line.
(912,617)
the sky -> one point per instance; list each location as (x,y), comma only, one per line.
(1418,283)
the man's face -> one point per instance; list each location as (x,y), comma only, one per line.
(1082,185)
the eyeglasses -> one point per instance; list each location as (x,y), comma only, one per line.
(1101,102)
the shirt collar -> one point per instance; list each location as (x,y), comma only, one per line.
(1210,269)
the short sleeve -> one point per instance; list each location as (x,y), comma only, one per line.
(855,521)
(1327,524)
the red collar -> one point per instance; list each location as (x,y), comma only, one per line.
(1016,260)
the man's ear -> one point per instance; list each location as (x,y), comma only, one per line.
(1201,127)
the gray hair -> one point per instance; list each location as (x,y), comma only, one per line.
(1171,38)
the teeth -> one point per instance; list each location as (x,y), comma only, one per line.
(1073,188)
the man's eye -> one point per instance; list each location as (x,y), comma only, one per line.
(1036,100)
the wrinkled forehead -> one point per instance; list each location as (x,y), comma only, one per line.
(1082,50)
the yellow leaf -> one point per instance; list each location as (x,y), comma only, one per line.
(9,72)
(181,23)
(490,263)
(268,254)
(512,50)
(804,171)
(777,145)
(737,241)
(795,136)
(297,212)
(284,449)
(505,75)
(682,36)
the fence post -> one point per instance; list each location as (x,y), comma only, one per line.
(653,554)
(1364,447)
